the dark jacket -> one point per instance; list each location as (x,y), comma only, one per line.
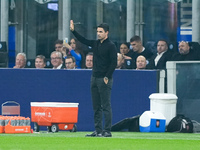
(104,56)
(192,55)
(162,61)
(146,53)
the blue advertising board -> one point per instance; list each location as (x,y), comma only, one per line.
(130,93)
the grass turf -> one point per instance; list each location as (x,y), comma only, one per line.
(119,141)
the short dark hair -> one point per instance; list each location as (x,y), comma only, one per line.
(71,57)
(135,38)
(58,42)
(127,44)
(90,53)
(163,41)
(105,26)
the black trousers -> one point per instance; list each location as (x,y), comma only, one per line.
(101,94)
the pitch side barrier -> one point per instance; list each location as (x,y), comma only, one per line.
(183,79)
(131,89)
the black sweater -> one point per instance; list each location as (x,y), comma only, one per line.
(104,56)
(192,55)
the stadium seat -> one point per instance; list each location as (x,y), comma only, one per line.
(3,59)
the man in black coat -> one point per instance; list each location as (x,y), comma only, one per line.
(187,52)
(139,49)
(158,61)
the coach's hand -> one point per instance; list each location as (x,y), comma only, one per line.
(71,25)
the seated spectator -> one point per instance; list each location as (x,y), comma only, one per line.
(58,45)
(56,60)
(127,54)
(141,62)
(158,61)
(124,50)
(186,52)
(70,62)
(89,61)
(75,51)
(120,61)
(139,49)
(20,61)
(40,61)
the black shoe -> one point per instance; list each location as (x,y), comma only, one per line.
(94,134)
(107,134)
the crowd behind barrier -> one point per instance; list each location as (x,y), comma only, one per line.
(156,55)
(131,89)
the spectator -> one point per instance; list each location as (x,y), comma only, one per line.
(56,60)
(186,52)
(40,61)
(139,49)
(70,62)
(158,61)
(75,50)
(89,61)
(126,54)
(141,62)
(124,50)
(20,61)
(58,45)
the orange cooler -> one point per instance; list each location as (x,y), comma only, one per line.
(64,115)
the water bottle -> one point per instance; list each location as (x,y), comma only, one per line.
(12,121)
(28,121)
(6,121)
(2,121)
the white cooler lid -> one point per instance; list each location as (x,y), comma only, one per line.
(162,96)
(54,104)
(145,118)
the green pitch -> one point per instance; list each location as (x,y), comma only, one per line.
(119,141)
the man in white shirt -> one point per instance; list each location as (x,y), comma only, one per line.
(161,49)
(158,61)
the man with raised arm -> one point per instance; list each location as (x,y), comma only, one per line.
(104,64)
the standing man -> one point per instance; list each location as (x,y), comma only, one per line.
(104,64)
